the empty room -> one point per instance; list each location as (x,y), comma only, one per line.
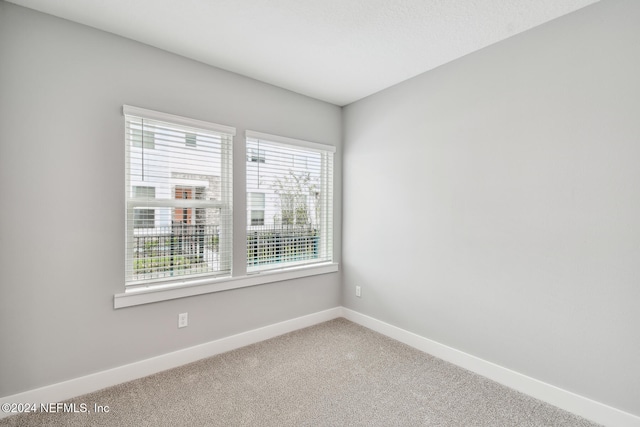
(340,212)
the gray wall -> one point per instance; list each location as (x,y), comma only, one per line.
(493,204)
(62,87)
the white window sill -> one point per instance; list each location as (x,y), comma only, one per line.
(139,296)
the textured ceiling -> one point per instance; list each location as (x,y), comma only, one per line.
(334,50)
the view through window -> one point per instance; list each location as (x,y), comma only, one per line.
(290,202)
(178,181)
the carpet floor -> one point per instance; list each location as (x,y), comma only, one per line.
(333,374)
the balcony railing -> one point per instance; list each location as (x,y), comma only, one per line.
(175,250)
(271,245)
(182,249)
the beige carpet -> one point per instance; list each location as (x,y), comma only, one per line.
(333,374)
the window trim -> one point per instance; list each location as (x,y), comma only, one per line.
(128,110)
(193,287)
(288,142)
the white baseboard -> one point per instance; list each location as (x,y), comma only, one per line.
(90,383)
(587,408)
(566,400)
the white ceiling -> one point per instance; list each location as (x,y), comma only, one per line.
(338,51)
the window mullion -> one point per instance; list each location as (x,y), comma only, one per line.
(226,238)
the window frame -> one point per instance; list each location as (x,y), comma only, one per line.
(225,204)
(325,220)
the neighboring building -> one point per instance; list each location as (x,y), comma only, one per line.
(283,187)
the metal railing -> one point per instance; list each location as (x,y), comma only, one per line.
(177,249)
(270,245)
(182,249)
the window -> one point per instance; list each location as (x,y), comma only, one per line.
(140,138)
(144,218)
(296,187)
(179,210)
(179,206)
(255,207)
(255,155)
(187,215)
(190,140)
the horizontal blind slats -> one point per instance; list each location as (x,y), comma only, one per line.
(179,207)
(295,226)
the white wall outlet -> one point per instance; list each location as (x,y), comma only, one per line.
(358,291)
(183,320)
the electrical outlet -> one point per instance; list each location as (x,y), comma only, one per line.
(183,320)
(358,291)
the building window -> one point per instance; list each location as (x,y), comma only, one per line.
(144,218)
(141,139)
(255,208)
(296,187)
(190,140)
(179,207)
(255,155)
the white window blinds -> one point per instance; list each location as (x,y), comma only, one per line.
(178,197)
(294,181)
